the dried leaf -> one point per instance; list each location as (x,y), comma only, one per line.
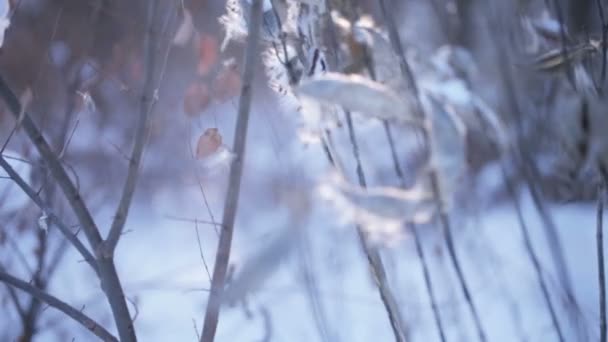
(208,143)
(185,31)
(223,157)
(208,52)
(357,93)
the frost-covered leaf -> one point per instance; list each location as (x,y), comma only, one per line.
(185,31)
(43,222)
(234,22)
(357,93)
(221,159)
(211,154)
(380,210)
(208,143)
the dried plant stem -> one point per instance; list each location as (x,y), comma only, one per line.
(236,170)
(433,177)
(531,176)
(58,304)
(563,38)
(555,246)
(417,240)
(428,282)
(532,256)
(373,256)
(600,259)
(145,107)
(600,10)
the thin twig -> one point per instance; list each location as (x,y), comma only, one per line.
(532,255)
(55,167)
(531,176)
(373,256)
(65,230)
(58,304)
(600,258)
(427,282)
(604,27)
(400,174)
(16,302)
(107,270)
(146,103)
(433,177)
(564,40)
(200,250)
(236,170)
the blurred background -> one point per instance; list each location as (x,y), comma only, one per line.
(77,67)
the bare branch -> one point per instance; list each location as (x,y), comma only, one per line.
(145,107)
(58,304)
(107,271)
(236,169)
(373,256)
(54,165)
(65,230)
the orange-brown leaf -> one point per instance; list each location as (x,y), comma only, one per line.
(208,143)
(207,53)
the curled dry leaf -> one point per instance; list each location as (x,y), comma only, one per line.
(208,52)
(382,203)
(197,98)
(185,31)
(357,93)
(208,143)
